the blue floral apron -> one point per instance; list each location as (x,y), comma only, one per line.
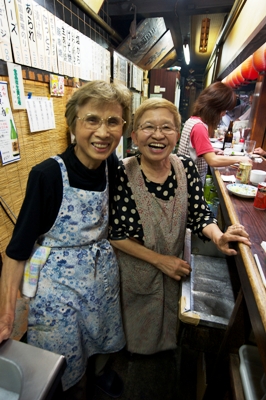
(76,310)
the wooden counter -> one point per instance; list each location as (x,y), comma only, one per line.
(250,305)
(241,210)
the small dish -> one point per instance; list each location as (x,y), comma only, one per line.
(231,152)
(241,190)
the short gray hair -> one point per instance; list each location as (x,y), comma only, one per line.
(99,92)
(154,103)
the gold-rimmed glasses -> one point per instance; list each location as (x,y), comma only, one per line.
(94,122)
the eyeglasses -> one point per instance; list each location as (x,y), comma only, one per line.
(149,129)
(94,122)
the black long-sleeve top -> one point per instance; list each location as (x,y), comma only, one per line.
(44,194)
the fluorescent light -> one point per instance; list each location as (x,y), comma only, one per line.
(186,53)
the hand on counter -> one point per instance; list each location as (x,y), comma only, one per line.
(260,151)
(235,233)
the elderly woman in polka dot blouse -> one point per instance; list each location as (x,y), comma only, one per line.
(157,196)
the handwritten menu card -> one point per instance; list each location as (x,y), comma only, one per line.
(40,113)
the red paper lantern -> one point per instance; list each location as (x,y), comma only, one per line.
(226,81)
(259,59)
(248,71)
(231,81)
(235,79)
(239,75)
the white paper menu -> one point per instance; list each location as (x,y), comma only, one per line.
(53,42)
(68,57)
(23,34)
(40,113)
(37,12)
(76,52)
(46,39)
(14,31)
(5,45)
(84,65)
(59,46)
(30,26)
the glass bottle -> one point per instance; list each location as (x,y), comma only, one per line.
(228,137)
(242,142)
(14,139)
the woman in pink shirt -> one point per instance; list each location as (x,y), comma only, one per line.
(208,110)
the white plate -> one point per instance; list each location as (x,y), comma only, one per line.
(255,156)
(246,191)
(231,152)
(217,145)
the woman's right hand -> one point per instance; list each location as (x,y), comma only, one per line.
(6,326)
(172,266)
(11,277)
(243,159)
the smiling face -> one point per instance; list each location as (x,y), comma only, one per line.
(157,146)
(95,145)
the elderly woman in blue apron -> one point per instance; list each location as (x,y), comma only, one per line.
(157,196)
(76,309)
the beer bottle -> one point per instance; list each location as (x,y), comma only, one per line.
(228,136)
(14,139)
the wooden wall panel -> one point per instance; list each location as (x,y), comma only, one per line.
(166,80)
(34,148)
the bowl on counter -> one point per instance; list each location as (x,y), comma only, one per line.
(257,176)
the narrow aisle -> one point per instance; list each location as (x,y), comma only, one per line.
(155,377)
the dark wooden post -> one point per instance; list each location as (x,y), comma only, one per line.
(258,113)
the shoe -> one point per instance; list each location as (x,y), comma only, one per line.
(110,383)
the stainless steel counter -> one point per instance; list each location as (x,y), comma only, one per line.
(27,372)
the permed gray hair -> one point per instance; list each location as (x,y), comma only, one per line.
(99,92)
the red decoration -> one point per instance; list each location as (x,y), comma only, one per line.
(247,69)
(235,79)
(231,81)
(239,75)
(259,59)
(225,81)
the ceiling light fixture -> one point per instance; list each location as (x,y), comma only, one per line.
(186,51)
(204,35)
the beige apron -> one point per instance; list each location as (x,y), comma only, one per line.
(150,298)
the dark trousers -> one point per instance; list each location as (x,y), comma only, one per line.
(85,388)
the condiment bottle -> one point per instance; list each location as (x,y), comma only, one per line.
(260,199)
(228,137)
(242,142)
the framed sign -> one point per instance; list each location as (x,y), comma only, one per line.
(148,32)
(157,52)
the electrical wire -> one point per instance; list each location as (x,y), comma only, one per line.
(5,208)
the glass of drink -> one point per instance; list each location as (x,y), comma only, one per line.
(249,147)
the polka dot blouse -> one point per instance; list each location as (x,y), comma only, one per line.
(125,220)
